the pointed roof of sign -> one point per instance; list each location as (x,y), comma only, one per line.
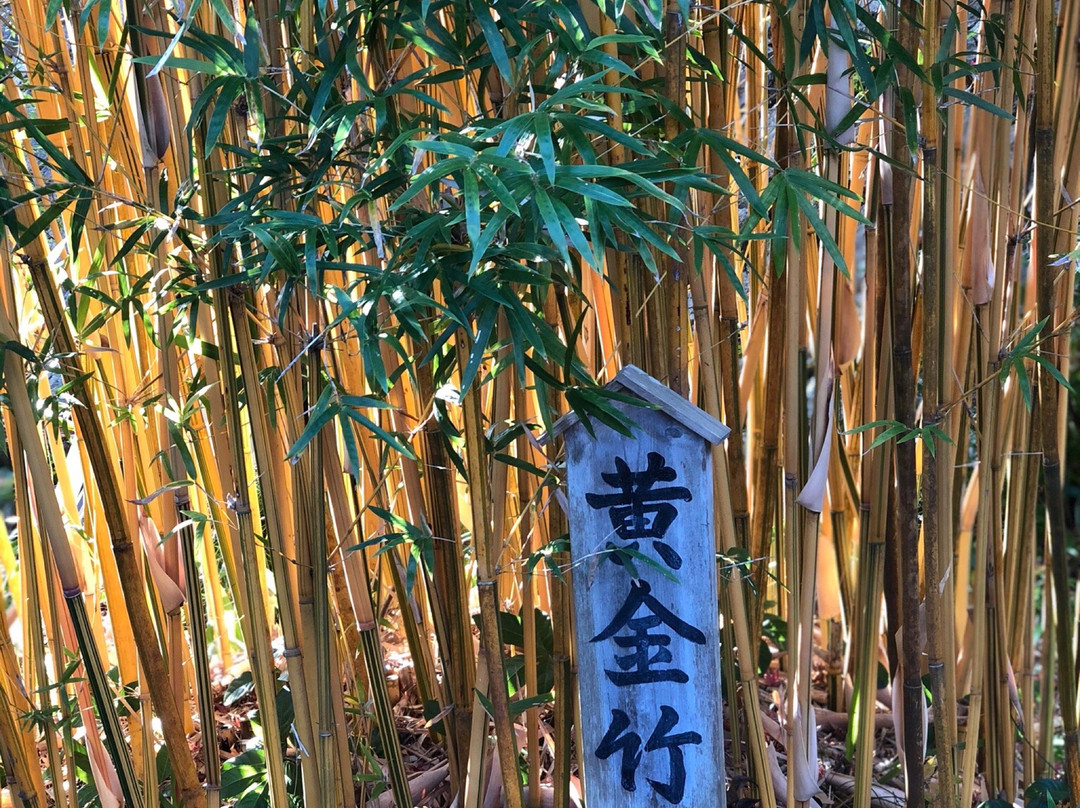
(637,382)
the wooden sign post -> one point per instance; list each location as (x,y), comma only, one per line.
(644,577)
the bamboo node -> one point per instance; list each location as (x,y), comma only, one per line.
(235,503)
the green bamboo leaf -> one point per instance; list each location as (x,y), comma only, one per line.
(351,449)
(84,15)
(858,109)
(743,181)
(1023,381)
(67,167)
(1053,370)
(843,15)
(471,195)
(166,54)
(280,252)
(856,430)
(177,436)
(887,435)
(721,142)
(255,110)
(490,232)
(971,99)
(930,435)
(251,44)
(364,401)
(810,212)
(77,222)
(509,133)
(592,190)
(638,40)
(494,40)
(573,231)
(945,43)
(449,148)
(597,171)
(496,186)
(551,222)
(216,48)
(441,169)
(51,12)
(311,272)
(225,281)
(21,350)
(518,463)
(132,239)
(827,191)
(324,411)
(386,437)
(965,70)
(545,145)
(222,12)
(232,88)
(295,218)
(637,228)
(519,706)
(192,65)
(479,348)
(51,214)
(44,126)
(589,124)
(104,12)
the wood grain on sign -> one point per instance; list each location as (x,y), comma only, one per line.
(648,656)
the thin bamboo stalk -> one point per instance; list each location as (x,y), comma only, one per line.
(486,558)
(561,612)
(49,510)
(1046,192)
(449,590)
(257,633)
(528,600)
(327,683)
(934,472)
(875,473)
(900,310)
(279,555)
(197,632)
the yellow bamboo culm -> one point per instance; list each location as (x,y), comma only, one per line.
(289,293)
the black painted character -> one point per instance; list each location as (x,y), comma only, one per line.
(637,666)
(630,746)
(640,511)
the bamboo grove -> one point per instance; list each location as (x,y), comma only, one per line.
(292,290)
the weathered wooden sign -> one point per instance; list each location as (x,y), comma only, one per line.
(644,577)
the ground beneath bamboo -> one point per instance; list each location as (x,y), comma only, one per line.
(426,762)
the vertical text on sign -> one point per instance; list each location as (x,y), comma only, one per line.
(640,510)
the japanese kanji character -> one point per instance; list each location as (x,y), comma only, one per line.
(637,666)
(630,747)
(640,511)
